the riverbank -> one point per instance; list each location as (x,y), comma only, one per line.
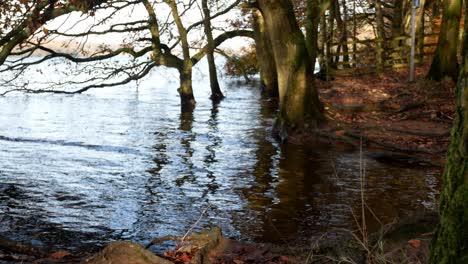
(404,242)
(396,120)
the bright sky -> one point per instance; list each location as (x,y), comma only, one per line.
(77,22)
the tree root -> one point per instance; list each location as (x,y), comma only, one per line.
(408,132)
(358,135)
(394,152)
(410,106)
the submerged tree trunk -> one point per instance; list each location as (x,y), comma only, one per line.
(450,244)
(216,93)
(299,103)
(265,57)
(445,59)
(185,90)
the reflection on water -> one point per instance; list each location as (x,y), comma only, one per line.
(124,163)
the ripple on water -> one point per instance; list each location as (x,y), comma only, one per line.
(126,164)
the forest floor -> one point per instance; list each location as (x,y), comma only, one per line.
(406,121)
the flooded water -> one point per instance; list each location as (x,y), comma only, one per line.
(77,171)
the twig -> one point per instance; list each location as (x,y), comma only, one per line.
(196,223)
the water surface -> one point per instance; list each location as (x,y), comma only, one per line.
(77,171)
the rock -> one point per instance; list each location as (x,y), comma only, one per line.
(206,241)
(125,253)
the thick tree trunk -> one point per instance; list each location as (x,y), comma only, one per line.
(216,93)
(450,244)
(265,57)
(445,59)
(187,100)
(299,103)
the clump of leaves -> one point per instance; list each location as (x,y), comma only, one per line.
(244,63)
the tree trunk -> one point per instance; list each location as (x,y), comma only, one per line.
(354,35)
(397,18)
(379,19)
(312,23)
(216,93)
(330,39)
(445,59)
(187,100)
(344,31)
(299,103)
(265,57)
(380,34)
(185,90)
(450,244)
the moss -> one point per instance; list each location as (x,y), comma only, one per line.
(450,243)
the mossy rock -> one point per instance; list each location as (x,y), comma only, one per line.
(206,241)
(125,253)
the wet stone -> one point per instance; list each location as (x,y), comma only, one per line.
(125,253)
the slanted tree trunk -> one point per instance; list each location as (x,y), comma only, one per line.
(450,244)
(445,58)
(265,57)
(299,103)
(216,93)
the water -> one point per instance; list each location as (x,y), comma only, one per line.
(77,171)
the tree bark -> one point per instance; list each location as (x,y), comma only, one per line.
(185,90)
(341,24)
(299,103)
(265,57)
(450,244)
(445,59)
(216,93)
(312,23)
(397,18)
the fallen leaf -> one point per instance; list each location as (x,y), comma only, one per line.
(238,261)
(184,258)
(415,243)
(59,254)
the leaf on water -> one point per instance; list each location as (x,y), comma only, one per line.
(59,254)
